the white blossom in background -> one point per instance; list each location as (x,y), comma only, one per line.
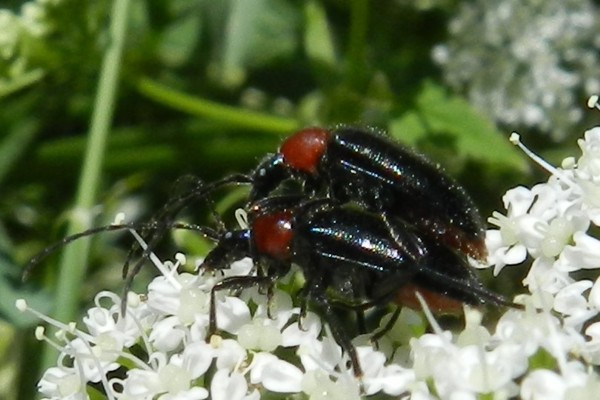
(527,64)
(22,41)
(550,349)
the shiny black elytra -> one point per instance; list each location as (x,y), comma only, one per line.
(348,258)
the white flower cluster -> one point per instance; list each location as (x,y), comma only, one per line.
(524,63)
(20,34)
(169,328)
(551,349)
(548,350)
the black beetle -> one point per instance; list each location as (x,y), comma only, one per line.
(349,259)
(351,164)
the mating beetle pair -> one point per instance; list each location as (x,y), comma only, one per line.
(371,224)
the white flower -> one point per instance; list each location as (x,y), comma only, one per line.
(228,385)
(524,62)
(33,18)
(585,254)
(591,349)
(544,277)
(62,383)
(174,377)
(543,384)
(9,34)
(275,374)
(573,305)
(588,165)
(318,385)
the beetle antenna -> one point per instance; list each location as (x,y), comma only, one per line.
(163,219)
(66,240)
(33,262)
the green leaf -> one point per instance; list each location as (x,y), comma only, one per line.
(15,143)
(179,40)
(318,42)
(408,128)
(212,110)
(11,290)
(256,33)
(542,359)
(21,81)
(474,136)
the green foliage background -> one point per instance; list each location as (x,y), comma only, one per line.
(205,88)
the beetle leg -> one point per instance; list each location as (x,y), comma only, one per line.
(318,297)
(360,321)
(303,308)
(232,282)
(386,328)
(270,290)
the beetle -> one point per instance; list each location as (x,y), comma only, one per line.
(359,165)
(349,259)
(350,164)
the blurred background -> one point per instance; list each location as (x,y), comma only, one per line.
(209,87)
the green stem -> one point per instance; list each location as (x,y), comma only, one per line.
(20,82)
(359,23)
(73,262)
(14,144)
(215,111)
